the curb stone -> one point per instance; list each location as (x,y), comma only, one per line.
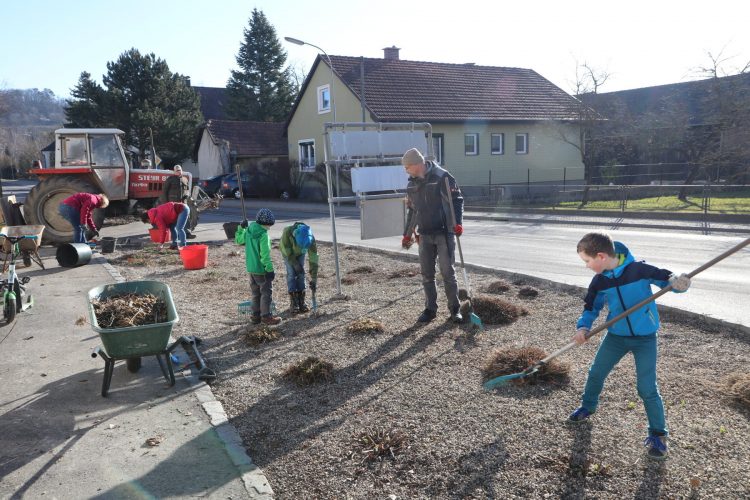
(255,482)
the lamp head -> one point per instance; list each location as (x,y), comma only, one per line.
(294,40)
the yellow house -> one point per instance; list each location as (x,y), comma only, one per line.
(490,124)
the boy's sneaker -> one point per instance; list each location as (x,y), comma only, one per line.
(580,415)
(657,447)
(270,320)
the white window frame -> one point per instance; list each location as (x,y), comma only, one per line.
(502,144)
(475,151)
(322,107)
(306,166)
(525,149)
(438,141)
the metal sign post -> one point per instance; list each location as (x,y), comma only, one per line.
(370,145)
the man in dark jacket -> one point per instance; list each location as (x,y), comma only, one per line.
(177,189)
(429,216)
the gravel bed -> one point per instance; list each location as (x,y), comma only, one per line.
(423,384)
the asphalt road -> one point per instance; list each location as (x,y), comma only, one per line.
(548,251)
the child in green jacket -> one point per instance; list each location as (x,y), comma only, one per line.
(258,263)
(296,241)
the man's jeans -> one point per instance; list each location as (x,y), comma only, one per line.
(261,290)
(440,247)
(611,351)
(177,230)
(295,282)
(72,215)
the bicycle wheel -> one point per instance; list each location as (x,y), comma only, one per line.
(9,309)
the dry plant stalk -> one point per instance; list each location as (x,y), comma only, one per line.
(309,371)
(376,444)
(494,311)
(365,326)
(129,309)
(737,386)
(517,359)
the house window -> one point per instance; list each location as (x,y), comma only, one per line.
(522,144)
(437,147)
(471,144)
(307,156)
(324,99)
(498,144)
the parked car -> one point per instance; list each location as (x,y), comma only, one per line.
(255,185)
(212,185)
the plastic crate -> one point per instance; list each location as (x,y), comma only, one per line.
(134,341)
(245,308)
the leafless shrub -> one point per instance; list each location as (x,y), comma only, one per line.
(497,287)
(528,292)
(256,336)
(494,311)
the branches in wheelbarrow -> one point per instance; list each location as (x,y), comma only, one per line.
(130,309)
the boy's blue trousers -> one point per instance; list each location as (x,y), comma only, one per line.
(611,351)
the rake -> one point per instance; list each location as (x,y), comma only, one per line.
(504,379)
(475,320)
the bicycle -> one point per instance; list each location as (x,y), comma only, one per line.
(12,287)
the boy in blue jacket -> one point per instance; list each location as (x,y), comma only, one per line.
(621,283)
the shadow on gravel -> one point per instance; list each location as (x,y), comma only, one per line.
(653,475)
(308,410)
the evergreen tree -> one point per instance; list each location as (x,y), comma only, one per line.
(262,89)
(140,93)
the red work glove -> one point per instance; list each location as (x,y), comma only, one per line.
(406,242)
(459,230)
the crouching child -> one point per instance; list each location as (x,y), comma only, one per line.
(296,241)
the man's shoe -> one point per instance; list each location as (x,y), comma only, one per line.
(173,247)
(270,320)
(457,317)
(657,447)
(426,316)
(578,416)
(189,235)
(255,319)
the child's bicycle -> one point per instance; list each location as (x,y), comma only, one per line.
(12,287)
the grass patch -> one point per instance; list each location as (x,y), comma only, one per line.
(517,359)
(376,444)
(309,371)
(365,326)
(736,202)
(528,292)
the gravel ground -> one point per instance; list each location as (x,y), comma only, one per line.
(423,385)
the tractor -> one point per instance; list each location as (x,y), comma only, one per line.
(93,160)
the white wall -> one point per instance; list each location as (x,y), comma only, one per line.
(209,158)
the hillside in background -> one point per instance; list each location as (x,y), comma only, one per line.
(30,107)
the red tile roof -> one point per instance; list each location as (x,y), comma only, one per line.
(250,138)
(398,90)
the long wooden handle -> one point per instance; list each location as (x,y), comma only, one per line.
(239,186)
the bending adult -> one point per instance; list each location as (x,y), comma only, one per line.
(78,210)
(170,217)
(429,217)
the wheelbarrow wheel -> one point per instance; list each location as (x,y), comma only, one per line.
(134,364)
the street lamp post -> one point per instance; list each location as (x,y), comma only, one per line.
(300,42)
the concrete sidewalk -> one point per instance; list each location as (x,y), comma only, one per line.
(61,439)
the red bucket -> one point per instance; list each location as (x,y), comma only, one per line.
(156,234)
(194,256)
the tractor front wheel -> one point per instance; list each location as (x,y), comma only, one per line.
(42,202)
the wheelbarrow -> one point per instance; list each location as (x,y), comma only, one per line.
(29,247)
(133,343)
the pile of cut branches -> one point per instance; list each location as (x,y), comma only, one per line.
(129,309)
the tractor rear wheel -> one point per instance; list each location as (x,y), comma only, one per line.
(42,203)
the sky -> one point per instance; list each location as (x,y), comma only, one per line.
(46,44)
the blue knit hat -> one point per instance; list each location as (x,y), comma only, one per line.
(303,236)
(265,217)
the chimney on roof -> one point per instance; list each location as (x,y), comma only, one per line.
(391,53)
